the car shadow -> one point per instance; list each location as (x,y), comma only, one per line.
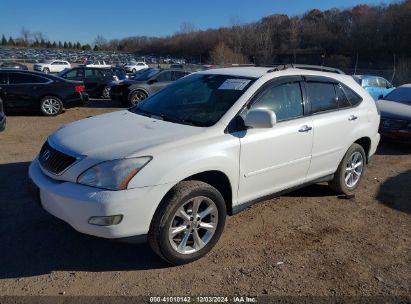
(103,104)
(315,190)
(393,148)
(395,192)
(34,242)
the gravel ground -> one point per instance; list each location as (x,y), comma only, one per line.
(309,242)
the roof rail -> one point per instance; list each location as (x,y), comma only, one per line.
(317,68)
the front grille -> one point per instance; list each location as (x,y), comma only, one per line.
(53,160)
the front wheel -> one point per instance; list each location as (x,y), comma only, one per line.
(350,171)
(51,106)
(106,92)
(136,97)
(46,70)
(188,222)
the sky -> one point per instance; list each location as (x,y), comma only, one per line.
(82,21)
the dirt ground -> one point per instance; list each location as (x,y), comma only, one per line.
(309,242)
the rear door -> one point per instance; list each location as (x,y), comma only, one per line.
(91,81)
(334,120)
(75,74)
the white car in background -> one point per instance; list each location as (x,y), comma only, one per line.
(98,64)
(170,169)
(52,66)
(133,67)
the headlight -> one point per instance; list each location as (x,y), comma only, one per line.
(113,174)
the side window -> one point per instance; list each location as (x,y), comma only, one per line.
(373,82)
(322,96)
(164,76)
(384,83)
(74,74)
(285,100)
(88,73)
(353,97)
(20,78)
(342,99)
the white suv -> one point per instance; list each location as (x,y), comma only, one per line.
(171,168)
(52,66)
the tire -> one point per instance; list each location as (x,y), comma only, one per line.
(350,171)
(180,247)
(133,70)
(136,97)
(46,70)
(105,93)
(51,106)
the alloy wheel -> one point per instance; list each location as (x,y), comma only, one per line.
(51,106)
(354,169)
(193,225)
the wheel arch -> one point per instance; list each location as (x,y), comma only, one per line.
(365,143)
(135,90)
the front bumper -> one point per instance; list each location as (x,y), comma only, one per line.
(75,204)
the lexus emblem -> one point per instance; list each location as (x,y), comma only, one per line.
(46,155)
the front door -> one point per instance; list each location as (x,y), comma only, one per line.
(277,158)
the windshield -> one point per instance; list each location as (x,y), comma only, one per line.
(198,99)
(146,75)
(402,95)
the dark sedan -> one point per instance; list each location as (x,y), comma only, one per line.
(26,90)
(2,117)
(395,111)
(130,92)
(96,80)
(13,65)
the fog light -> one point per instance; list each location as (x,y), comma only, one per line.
(105,220)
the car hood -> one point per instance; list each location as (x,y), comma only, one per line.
(395,110)
(118,135)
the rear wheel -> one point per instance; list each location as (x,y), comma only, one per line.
(134,70)
(46,70)
(350,171)
(188,223)
(51,106)
(136,97)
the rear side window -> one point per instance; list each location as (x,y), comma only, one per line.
(88,73)
(342,99)
(322,97)
(353,97)
(285,100)
(19,78)
(164,76)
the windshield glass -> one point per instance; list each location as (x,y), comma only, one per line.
(146,75)
(199,99)
(400,95)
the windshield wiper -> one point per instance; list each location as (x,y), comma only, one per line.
(164,117)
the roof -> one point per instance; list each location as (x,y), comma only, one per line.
(407,85)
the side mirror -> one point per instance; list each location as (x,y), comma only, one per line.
(151,81)
(260,118)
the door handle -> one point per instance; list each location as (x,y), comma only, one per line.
(305,128)
(352,117)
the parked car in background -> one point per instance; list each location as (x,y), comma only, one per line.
(96,80)
(170,169)
(130,92)
(120,73)
(2,117)
(52,66)
(133,67)
(26,90)
(13,65)
(98,64)
(177,66)
(138,73)
(376,86)
(395,110)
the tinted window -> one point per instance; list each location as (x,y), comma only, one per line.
(322,96)
(285,100)
(18,78)
(88,73)
(178,75)
(164,76)
(77,73)
(147,74)
(353,97)
(342,99)
(400,95)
